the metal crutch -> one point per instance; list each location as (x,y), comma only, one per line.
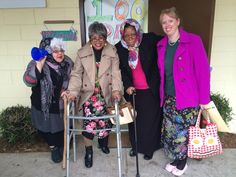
(118,138)
(70,133)
(65,123)
(135,134)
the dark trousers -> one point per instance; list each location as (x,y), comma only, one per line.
(101,141)
(53,139)
(148,123)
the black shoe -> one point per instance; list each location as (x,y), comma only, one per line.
(147,157)
(103,144)
(88,159)
(132,153)
(105,150)
(56,154)
(61,149)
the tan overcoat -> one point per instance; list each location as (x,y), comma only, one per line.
(82,81)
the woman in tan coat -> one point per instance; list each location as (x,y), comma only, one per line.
(95,81)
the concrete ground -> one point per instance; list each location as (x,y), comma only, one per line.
(40,165)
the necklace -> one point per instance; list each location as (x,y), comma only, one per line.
(173,39)
(172,43)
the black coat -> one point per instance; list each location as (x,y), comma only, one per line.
(148,59)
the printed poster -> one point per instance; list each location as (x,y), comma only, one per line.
(113,12)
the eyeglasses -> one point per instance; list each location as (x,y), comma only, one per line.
(99,39)
(128,36)
(58,51)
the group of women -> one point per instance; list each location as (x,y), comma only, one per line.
(169,74)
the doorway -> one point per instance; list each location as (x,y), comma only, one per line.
(196,17)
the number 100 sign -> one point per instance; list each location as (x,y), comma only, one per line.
(113,12)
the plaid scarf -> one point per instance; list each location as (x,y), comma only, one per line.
(47,91)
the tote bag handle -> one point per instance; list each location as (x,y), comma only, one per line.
(199,118)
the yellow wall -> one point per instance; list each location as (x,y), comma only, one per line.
(20,31)
(223,57)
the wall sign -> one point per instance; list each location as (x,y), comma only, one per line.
(66,35)
(113,12)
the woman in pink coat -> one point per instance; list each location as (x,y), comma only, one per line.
(184,88)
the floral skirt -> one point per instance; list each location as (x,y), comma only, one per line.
(175,128)
(96,106)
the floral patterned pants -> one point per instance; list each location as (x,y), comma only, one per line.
(175,128)
(96,106)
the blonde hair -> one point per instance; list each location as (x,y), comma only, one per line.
(172,12)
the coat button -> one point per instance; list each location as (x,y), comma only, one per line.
(181,68)
(110,83)
(180,58)
(85,85)
(107,74)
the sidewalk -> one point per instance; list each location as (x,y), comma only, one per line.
(40,165)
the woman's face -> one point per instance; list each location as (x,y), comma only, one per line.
(58,55)
(169,25)
(97,41)
(130,36)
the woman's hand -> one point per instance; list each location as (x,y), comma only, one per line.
(68,95)
(116,95)
(40,64)
(130,90)
(204,106)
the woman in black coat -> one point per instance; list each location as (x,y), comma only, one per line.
(138,64)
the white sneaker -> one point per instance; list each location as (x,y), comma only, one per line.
(178,172)
(170,167)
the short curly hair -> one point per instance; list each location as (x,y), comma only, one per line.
(57,44)
(51,44)
(97,28)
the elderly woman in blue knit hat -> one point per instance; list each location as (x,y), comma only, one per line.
(48,77)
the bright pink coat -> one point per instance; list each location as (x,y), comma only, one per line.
(191,71)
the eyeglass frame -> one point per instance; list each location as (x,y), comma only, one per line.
(99,39)
(128,36)
(58,51)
